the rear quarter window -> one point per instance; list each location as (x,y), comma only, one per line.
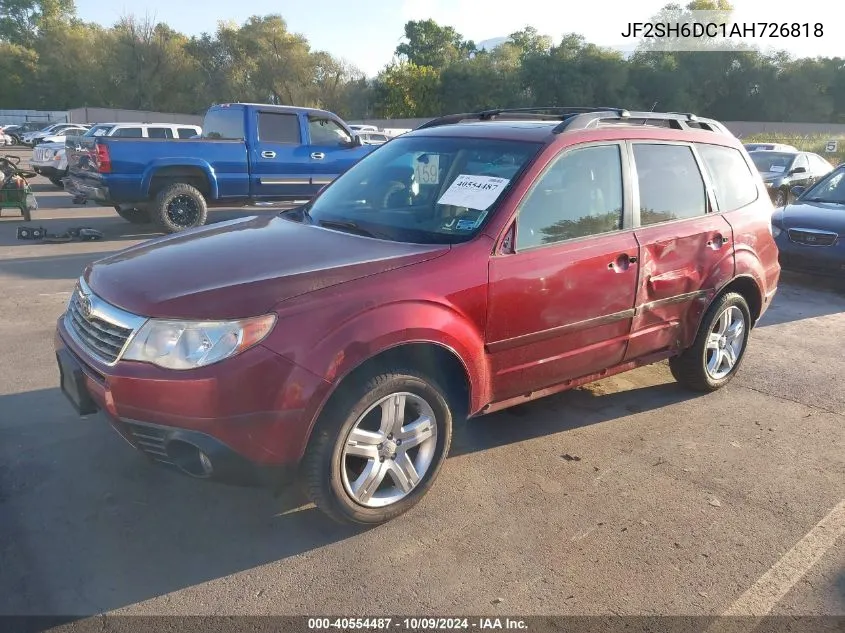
(224,123)
(733,181)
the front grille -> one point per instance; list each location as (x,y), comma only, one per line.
(149,439)
(99,327)
(811,237)
(102,337)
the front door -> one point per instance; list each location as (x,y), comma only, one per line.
(561,304)
(330,151)
(686,250)
(278,168)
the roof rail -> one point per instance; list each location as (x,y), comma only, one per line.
(678,120)
(579,118)
(551,113)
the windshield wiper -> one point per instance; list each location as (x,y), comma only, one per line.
(351,227)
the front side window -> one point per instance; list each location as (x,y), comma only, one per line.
(579,195)
(425,190)
(327,132)
(159,132)
(129,132)
(671,186)
(829,189)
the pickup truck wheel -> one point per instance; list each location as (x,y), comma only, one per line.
(134,214)
(719,347)
(378,448)
(178,207)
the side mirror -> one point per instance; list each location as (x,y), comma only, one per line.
(797,191)
(356,141)
(799,170)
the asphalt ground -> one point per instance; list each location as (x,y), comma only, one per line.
(630,496)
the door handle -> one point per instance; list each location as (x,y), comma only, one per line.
(622,263)
(718,241)
(268,154)
(318,156)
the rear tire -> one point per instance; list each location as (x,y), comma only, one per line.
(377,478)
(134,214)
(719,347)
(178,207)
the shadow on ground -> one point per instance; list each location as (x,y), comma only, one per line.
(114,530)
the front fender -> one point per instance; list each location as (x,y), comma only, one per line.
(347,346)
(162,163)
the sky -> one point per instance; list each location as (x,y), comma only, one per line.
(366,32)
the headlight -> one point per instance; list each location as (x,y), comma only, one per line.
(191,344)
(776,231)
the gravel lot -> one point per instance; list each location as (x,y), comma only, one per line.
(630,496)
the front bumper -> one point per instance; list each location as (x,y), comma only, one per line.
(48,171)
(827,261)
(250,415)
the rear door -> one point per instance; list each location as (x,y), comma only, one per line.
(685,246)
(561,304)
(279,167)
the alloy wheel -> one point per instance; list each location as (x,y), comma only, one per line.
(725,343)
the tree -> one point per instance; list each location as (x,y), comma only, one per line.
(21,21)
(429,44)
(407,90)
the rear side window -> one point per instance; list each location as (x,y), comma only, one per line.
(225,123)
(159,132)
(671,186)
(186,132)
(733,181)
(128,132)
(278,127)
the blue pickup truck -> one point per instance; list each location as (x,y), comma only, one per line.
(247,154)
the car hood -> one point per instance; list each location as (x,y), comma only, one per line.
(241,268)
(822,216)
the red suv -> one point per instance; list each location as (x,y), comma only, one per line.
(479,262)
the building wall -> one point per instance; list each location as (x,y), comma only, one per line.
(109,115)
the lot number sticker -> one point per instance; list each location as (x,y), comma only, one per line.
(832,147)
(428,173)
(474,192)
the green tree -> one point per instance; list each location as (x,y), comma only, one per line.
(407,90)
(22,21)
(429,44)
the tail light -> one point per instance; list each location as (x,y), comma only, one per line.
(103,159)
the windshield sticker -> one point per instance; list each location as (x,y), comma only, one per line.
(474,192)
(427,172)
(465,225)
(777,168)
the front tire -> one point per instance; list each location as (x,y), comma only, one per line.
(378,448)
(781,198)
(178,207)
(719,347)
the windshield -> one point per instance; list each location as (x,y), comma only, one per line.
(829,189)
(776,162)
(426,190)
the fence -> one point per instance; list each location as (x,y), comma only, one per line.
(19,117)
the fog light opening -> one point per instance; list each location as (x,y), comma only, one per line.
(190,459)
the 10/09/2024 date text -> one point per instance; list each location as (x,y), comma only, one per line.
(417,624)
